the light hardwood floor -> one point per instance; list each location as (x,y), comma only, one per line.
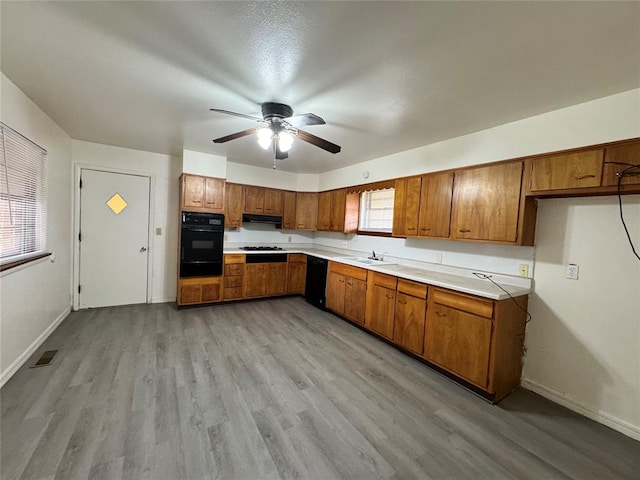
(273,389)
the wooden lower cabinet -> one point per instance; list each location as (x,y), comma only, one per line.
(381,304)
(255,284)
(276,279)
(297,273)
(347,291)
(192,291)
(411,307)
(233,279)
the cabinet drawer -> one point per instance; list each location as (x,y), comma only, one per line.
(465,303)
(297,258)
(418,290)
(233,269)
(355,272)
(233,281)
(383,280)
(234,258)
(231,293)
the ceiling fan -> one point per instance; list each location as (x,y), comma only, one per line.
(279,128)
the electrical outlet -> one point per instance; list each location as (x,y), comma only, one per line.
(289,239)
(523,270)
(438,257)
(572,271)
(226,237)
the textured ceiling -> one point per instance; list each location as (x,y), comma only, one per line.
(386,76)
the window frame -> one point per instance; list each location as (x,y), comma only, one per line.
(376,233)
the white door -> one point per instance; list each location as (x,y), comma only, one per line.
(114,238)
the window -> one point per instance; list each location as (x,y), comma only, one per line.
(23,197)
(376,211)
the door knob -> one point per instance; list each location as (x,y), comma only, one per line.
(143,249)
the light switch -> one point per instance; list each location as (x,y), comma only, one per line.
(158,231)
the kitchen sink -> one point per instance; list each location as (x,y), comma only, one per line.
(365,261)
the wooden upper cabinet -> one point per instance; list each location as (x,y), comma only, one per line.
(435,205)
(324,211)
(233,205)
(253,199)
(486,203)
(288,210)
(567,171)
(406,206)
(272,201)
(618,158)
(202,194)
(306,209)
(338,206)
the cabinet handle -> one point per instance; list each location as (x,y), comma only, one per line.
(411,228)
(389,296)
(425,229)
(464,230)
(582,177)
(350,283)
(211,203)
(195,201)
(267,209)
(300,225)
(341,280)
(402,302)
(441,314)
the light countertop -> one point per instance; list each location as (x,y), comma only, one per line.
(458,279)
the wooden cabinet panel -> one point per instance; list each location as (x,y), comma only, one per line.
(297,277)
(406,206)
(306,208)
(276,278)
(192,191)
(233,293)
(355,294)
(253,199)
(289,210)
(233,205)
(335,292)
(193,291)
(408,331)
(618,158)
(211,292)
(272,201)
(571,170)
(461,301)
(232,281)
(486,203)
(189,294)
(233,276)
(338,206)
(323,222)
(435,205)
(348,270)
(234,258)
(380,311)
(214,193)
(255,282)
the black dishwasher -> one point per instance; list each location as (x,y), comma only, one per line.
(316,286)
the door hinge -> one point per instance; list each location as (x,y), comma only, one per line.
(79,288)
(81,183)
(79,237)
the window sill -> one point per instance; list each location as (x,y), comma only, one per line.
(23,263)
(374,234)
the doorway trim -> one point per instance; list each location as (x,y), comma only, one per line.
(78,167)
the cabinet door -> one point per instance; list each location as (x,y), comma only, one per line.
(406,206)
(355,295)
(338,206)
(324,211)
(626,155)
(306,208)
(408,331)
(272,201)
(211,291)
(381,311)
(572,170)
(214,194)
(255,282)
(276,279)
(233,205)
(459,342)
(486,202)
(253,199)
(435,205)
(189,294)
(289,210)
(335,292)
(193,188)
(297,278)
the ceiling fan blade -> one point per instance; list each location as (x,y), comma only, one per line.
(235,114)
(233,136)
(318,142)
(305,119)
(280,155)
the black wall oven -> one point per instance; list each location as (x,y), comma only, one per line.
(201,240)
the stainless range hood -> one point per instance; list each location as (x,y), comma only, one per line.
(255,218)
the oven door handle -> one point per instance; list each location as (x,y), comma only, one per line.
(208,230)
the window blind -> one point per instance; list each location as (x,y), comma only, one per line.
(23,197)
(376,211)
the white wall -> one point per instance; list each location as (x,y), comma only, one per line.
(165,171)
(36,298)
(583,344)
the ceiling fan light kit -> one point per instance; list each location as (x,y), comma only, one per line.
(281,126)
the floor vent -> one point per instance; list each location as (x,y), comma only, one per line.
(45,359)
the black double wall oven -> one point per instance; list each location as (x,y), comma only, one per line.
(202,235)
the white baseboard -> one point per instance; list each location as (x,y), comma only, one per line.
(163,299)
(621,426)
(18,362)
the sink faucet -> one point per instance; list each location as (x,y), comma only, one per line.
(373,256)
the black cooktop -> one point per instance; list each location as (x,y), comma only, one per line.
(261,248)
